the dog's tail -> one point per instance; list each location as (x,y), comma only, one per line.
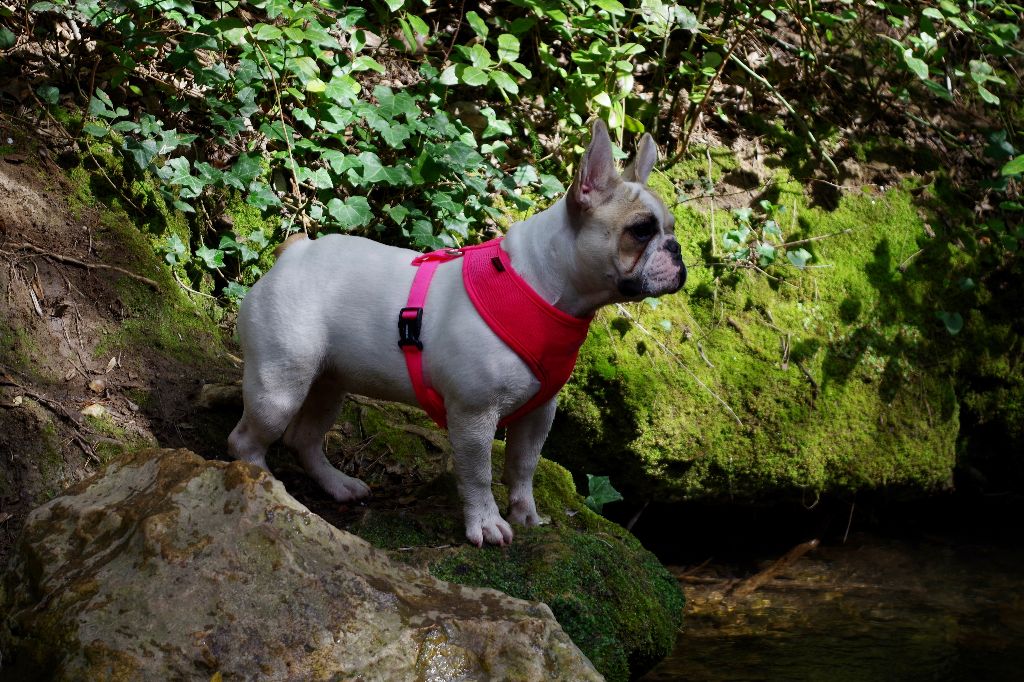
(298,236)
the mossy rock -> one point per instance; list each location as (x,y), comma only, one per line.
(612,597)
(831,374)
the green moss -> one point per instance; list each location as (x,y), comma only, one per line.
(16,347)
(875,411)
(693,168)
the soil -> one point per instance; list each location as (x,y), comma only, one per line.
(60,305)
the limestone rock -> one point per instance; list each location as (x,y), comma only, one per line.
(167,566)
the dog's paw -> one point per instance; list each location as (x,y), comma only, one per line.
(491,529)
(523,512)
(344,488)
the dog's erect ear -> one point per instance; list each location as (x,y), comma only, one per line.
(596,173)
(643,162)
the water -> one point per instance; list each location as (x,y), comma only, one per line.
(874,608)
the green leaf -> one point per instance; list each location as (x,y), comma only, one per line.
(505,82)
(1015,167)
(611,6)
(7,38)
(266,32)
(766,254)
(799,258)
(988,95)
(601,492)
(366,63)
(470,75)
(95,129)
(142,152)
(917,66)
(352,213)
(508,47)
(235,291)
(48,94)
(176,250)
(213,258)
(954,321)
(525,174)
(477,24)
(315,85)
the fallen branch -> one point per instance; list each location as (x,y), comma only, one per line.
(755,581)
(814,239)
(27,246)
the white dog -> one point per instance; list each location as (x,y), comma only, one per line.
(321,324)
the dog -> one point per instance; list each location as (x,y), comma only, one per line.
(321,324)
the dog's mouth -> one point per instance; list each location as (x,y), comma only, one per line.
(635,288)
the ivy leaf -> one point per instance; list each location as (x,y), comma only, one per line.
(601,492)
(799,258)
(176,250)
(349,214)
(235,291)
(7,38)
(766,254)
(550,186)
(142,152)
(213,258)
(525,174)
(95,129)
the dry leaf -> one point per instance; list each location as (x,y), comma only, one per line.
(94,410)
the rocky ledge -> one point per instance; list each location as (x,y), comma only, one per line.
(168,566)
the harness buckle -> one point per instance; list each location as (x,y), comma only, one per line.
(410,322)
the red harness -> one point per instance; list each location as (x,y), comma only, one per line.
(547,339)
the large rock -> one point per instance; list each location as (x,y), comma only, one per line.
(835,374)
(167,566)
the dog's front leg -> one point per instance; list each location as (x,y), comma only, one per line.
(525,438)
(472,434)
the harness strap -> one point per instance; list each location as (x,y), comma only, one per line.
(410,321)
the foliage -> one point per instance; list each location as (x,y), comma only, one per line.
(397,121)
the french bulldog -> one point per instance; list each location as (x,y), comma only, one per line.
(321,324)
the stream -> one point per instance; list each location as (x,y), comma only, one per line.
(936,597)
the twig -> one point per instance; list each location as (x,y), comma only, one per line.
(757,580)
(707,151)
(624,311)
(26,246)
(814,239)
(903,266)
(789,107)
(284,126)
(636,517)
(849,522)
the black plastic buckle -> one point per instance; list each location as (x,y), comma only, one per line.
(410,321)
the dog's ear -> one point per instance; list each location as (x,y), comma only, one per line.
(596,173)
(643,162)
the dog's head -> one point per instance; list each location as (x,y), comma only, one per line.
(624,232)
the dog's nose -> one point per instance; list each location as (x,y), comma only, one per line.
(672,246)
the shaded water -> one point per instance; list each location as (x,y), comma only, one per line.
(874,608)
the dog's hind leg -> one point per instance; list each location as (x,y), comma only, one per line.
(305,435)
(268,409)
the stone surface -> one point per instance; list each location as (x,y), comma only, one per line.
(167,566)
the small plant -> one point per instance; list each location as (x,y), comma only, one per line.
(600,493)
(758,244)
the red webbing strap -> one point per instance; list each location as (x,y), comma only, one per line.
(412,314)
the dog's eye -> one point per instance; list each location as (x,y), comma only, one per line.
(643,231)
